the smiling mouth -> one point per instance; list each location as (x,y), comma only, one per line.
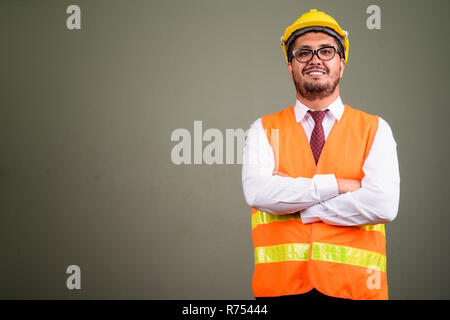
(315,73)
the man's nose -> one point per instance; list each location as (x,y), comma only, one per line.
(315,59)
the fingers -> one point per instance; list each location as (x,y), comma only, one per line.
(279,173)
(348,185)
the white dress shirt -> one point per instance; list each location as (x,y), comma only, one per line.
(317,198)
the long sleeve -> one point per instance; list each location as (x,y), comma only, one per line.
(378,198)
(272,193)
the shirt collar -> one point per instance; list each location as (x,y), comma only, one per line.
(336,108)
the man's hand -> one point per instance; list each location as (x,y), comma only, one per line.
(279,173)
(347,185)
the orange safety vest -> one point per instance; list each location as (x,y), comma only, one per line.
(292,257)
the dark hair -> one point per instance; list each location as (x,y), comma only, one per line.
(290,42)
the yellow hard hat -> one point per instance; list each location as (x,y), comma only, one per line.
(315,18)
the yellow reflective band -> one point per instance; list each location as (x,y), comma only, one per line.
(261,217)
(375,227)
(348,255)
(282,252)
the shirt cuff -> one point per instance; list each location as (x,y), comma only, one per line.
(326,185)
(306,220)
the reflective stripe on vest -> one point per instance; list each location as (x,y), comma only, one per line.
(282,252)
(349,255)
(261,217)
(321,251)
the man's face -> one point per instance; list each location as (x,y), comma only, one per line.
(316,79)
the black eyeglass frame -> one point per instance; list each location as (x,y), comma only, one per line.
(336,50)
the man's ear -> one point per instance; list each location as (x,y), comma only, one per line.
(342,68)
(289,66)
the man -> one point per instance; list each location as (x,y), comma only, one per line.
(322,179)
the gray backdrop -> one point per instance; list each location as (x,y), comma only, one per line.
(86,118)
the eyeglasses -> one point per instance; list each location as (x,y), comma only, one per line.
(306,55)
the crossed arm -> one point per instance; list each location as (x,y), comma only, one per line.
(324,198)
(343,185)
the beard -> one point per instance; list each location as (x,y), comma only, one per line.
(313,90)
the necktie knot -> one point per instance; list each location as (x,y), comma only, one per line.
(318,115)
